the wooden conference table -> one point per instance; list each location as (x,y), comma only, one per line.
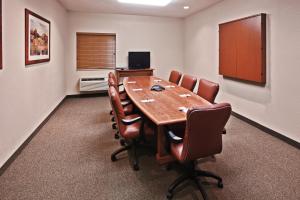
(164,110)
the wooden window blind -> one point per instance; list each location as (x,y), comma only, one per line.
(96,51)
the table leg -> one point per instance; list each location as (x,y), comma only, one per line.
(162,156)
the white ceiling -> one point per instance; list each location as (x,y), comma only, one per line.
(174,9)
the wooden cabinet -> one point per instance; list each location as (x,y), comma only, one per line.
(133,72)
(242,45)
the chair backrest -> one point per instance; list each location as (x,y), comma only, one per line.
(208,90)
(112,75)
(112,82)
(117,108)
(188,82)
(203,134)
(175,77)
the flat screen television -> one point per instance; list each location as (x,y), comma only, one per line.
(139,60)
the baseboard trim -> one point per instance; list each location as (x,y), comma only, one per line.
(27,141)
(87,95)
(268,130)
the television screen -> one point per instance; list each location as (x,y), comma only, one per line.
(138,60)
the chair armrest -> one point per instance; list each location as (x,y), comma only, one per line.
(125,103)
(175,139)
(131,121)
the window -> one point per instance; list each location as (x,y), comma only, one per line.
(96,51)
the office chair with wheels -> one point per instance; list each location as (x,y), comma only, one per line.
(175,77)
(208,90)
(202,138)
(130,127)
(188,82)
(112,80)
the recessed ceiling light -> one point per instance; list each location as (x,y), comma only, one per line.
(186,7)
(147,2)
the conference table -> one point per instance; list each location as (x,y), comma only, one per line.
(161,107)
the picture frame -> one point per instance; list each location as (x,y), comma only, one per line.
(37,38)
(1,60)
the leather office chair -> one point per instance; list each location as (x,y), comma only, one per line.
(208,90)
(129,126)
(175,77)
(112,80)
(188,82)
(202,138)
(127,105)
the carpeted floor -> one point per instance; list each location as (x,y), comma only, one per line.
(70,159)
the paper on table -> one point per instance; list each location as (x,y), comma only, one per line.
(137,89)
(147,100)
(184,95)
(169,86)
(131,82)
(183,109)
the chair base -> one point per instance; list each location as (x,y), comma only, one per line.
(194,175)
(114,126)
(127,147)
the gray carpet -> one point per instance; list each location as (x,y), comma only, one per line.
(70,159)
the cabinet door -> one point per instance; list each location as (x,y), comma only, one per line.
(250,50)
(227,49)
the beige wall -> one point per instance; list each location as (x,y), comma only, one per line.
(162,36)
(277,104)
(28,95)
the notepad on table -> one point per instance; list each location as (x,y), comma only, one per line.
(169,86)
(137,89)
(147,100)
(184,95)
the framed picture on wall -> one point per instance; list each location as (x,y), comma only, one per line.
(37,38)
(0,34)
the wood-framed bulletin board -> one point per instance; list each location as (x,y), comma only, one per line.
(242,49)
(1,60)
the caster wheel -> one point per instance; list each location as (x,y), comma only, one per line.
(112,119)
(168,167)
(114,126)
(169,195)
(220,184)
(122,142)
(113,158)
(136,167)
(117,136)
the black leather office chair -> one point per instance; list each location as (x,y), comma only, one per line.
(202,138)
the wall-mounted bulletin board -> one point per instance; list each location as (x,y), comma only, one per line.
(0,34)
(242,49)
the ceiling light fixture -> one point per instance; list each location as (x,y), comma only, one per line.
(147,2)
(186,7)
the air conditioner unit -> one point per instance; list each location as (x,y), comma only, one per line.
(93,84)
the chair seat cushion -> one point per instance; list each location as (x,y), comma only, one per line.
(132,131)
(128,109)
